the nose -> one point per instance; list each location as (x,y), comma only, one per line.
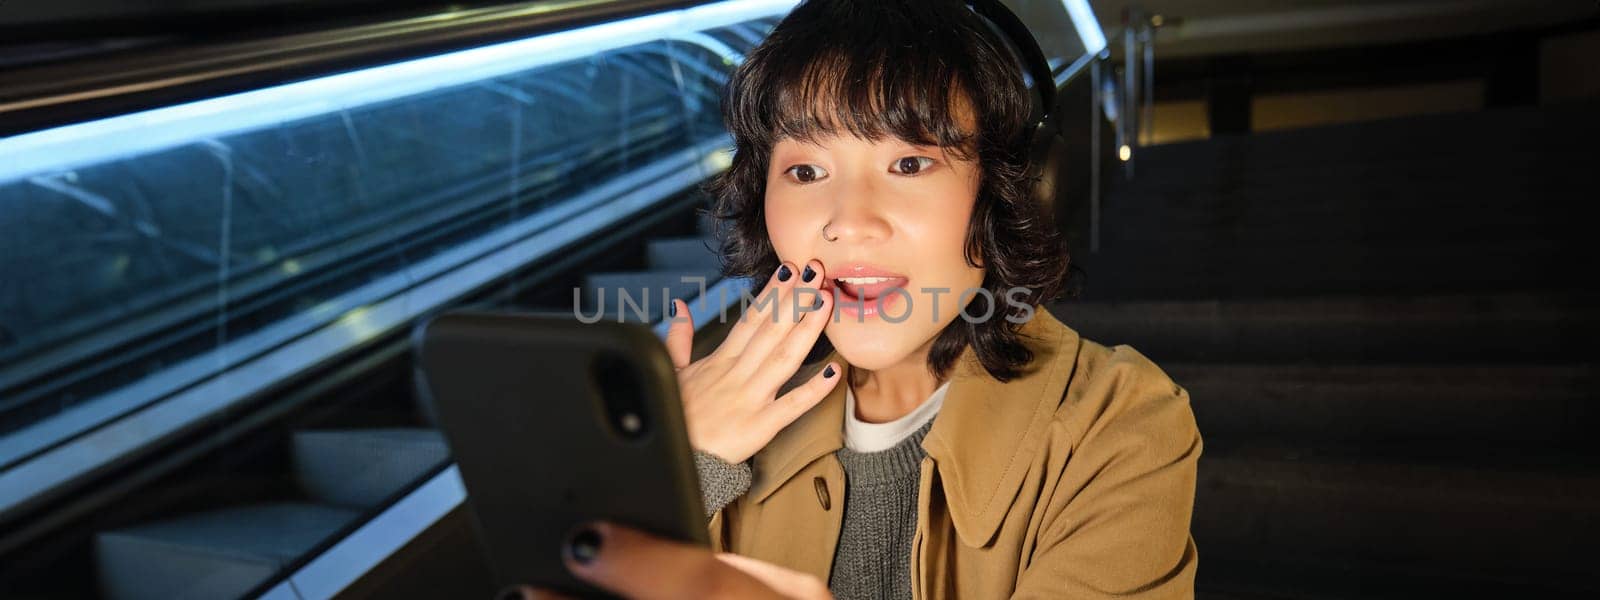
(857,217)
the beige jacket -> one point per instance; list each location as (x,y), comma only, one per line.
(1075,480)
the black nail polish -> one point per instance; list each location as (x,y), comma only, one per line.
(583,546)
(817,303)
(784,273)
(808,275)
(828,372)
(511,593)
(673,310)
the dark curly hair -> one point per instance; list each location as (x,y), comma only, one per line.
(902,68)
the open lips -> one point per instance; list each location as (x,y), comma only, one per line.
(864,290)
(855,289)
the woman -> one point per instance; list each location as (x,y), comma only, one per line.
(956,440)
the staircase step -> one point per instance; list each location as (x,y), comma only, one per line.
(1156,271)
(1506,328)
(1534,168)
(1309,202)
(1479,405)
(1309,578)
(1313,503)
(218,554)
(1348,230)
(1537,129)
(360,468)
(694,254)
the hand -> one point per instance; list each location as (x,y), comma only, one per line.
(641,566)
(730,402)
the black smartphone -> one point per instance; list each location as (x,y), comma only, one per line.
(554,423)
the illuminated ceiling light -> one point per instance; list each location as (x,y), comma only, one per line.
(1125,153)
(1083,19)
(94,142)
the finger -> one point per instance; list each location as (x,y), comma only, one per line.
(792,350)
(793,583)
(758,351)
(760,311)
(641,566)
(790,406)
(680,334)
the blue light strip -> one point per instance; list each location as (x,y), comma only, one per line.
(1094,40)
(93,142)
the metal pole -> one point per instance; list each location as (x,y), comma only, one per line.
(1147,123)
(1094,156)
(1130,91)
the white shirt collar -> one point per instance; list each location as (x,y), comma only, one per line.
(861,436)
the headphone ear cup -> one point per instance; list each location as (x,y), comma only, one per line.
(1046,155)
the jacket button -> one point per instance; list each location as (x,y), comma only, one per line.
(822,492)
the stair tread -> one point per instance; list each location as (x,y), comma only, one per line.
(1510,328)
(1421,464)
(280,531)
(1290,575)
(362,467)
(1443,307)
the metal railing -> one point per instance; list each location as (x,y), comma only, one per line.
(280,267)
(1134,114)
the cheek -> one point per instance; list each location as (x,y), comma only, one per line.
(788,227)
(943,234)
(956,260)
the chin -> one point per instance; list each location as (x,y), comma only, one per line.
(872,346)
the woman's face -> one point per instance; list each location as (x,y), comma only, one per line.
(897,217)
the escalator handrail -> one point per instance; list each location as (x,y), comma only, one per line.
(101,86)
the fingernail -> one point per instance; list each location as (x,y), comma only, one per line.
(674,310)
(808,274)
(511,593)
(784,273)
(817,303)
(828,372)
(583,546)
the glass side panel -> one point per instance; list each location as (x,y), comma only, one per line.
(144,253)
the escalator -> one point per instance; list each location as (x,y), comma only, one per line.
(216,249)
(206,380)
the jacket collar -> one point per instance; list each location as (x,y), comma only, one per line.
(996,427)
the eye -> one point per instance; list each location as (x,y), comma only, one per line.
(807,173)
(911,165)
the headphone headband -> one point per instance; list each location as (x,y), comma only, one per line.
(1045,149)
(1033,58)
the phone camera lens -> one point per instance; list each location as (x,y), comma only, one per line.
(623,396)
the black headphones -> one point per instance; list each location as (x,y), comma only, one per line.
(1045,146)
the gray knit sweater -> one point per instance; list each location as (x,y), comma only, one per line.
(873,559)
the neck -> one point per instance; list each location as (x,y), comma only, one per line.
(894,391)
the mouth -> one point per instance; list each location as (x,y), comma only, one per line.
(856,289)
(858,283)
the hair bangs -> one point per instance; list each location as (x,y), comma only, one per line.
(870,70)
(919,101)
